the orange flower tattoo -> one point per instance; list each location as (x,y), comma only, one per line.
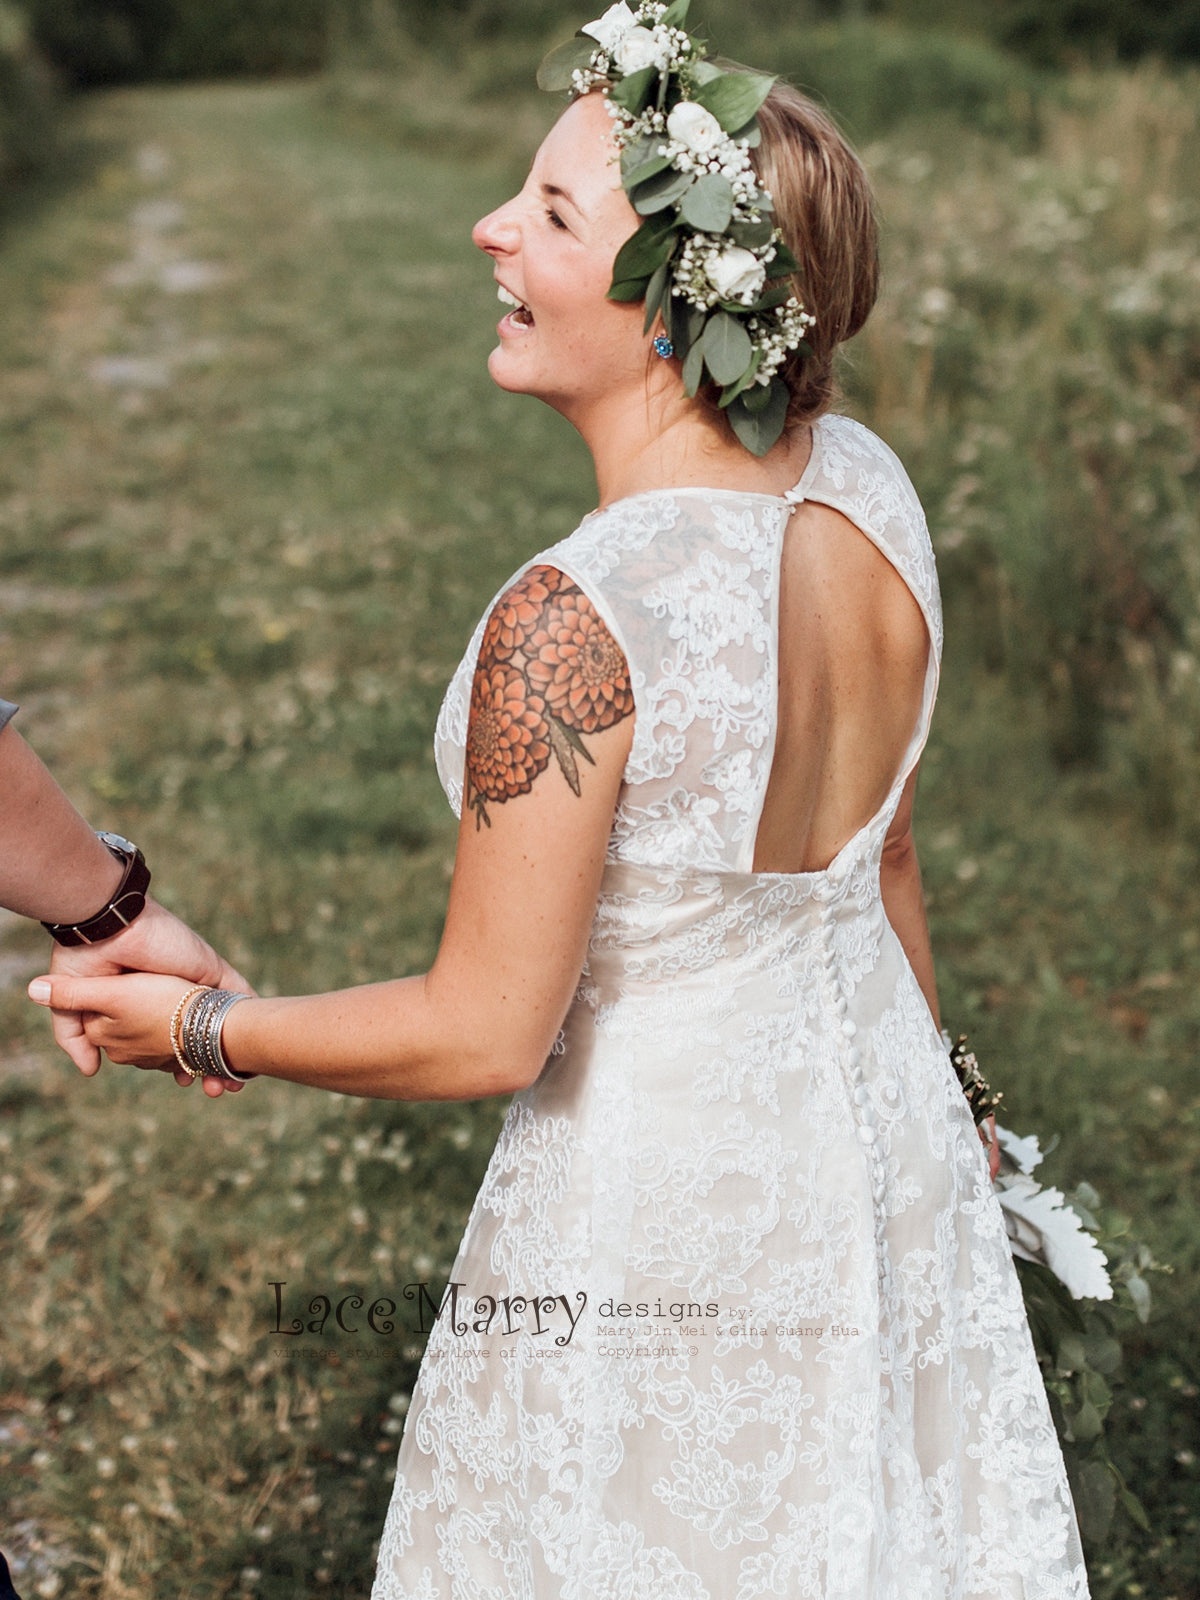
(548,672)
(579,667)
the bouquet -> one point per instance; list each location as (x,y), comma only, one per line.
(1080,1270)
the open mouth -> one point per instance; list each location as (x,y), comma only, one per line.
(521,313)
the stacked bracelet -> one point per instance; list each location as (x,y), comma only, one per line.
(196,1033)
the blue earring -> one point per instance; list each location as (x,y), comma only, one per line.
(663,347)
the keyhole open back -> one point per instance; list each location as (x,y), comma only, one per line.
(853,653)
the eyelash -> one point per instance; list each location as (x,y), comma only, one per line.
(555,220)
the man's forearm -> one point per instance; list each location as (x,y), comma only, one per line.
(52,866)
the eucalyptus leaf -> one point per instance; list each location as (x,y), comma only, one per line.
(1139,1293)
(693,369)
(731,391)
(645,251)
(661,191)
(1072,1354)
(1087,1423)
(555,71)
(1104,1353)
(628,288)
(633,92)
(654,294)
(734,97)
(708,204)
(705,72)
(675,15)
(727,347)
(1134,1508)
(759,430)
(1095,1493)
(750,235)
(782,261)
(758,399)
(648,167)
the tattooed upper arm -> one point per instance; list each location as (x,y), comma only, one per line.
(549,673)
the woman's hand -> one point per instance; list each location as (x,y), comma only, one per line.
(155,941)
(128,1017)
(987,1132)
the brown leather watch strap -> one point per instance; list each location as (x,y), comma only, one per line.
(126,903)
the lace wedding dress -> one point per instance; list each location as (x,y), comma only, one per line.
(735,1314)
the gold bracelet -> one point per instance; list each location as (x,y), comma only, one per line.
(176,1019)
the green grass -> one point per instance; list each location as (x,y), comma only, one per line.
(232,593)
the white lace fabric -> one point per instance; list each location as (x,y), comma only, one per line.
(750,1129)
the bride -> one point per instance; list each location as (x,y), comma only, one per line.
(734,1314)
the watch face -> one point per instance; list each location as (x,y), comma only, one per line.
(114,841)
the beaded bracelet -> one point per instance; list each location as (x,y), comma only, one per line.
(176,1019)
(202,1016)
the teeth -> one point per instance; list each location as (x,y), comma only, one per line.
(507,298)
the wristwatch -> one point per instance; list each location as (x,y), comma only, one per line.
(125,904)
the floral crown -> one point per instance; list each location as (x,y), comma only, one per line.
(708,256)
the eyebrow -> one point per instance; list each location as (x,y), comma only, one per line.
(553,191)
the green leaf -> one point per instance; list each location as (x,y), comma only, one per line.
(675,15)
(1134,1508)
(759,430)
(731,391)
(693,369)
(634,92)
(1139,1293)
(644,251)
(555,71)
(661,191)
(705,72)
(758,399)
(626,289)
(750,235)
(734,97)
(782,261)
(647,168)
(708,204)
(1095,1493)
(654,295)
(768,299)
(727,348)
(1087,1423)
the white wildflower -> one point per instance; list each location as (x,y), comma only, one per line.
(639,48)
(695,128)
(610,28)
(735,273)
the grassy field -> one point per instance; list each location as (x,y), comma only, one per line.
(255,489)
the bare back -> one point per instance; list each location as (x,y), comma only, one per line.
(853,652)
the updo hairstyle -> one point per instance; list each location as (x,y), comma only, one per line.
(826,212)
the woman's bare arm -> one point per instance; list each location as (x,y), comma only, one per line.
(548,737)
(904,898)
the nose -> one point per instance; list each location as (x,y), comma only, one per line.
(497,232)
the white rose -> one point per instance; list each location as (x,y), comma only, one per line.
(735,274)
(637,49)
(695,127)
(609,28)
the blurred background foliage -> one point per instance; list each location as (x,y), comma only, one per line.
(242,334)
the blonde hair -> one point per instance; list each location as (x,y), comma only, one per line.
(825,210)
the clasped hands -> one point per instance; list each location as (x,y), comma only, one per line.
(118,996)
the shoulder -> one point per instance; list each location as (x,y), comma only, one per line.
(548,675)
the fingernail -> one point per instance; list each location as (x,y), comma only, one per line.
(39,990)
